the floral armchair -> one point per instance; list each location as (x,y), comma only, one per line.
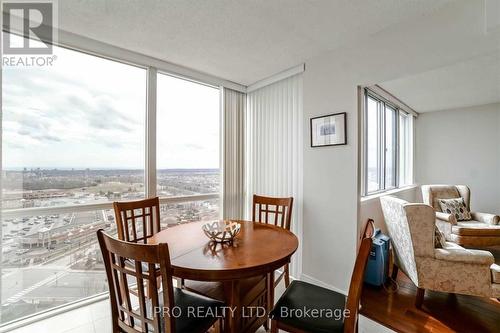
(451,268)
(481,231)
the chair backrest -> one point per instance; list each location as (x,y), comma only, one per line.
(411,227)
(277,211)
(357,277)
(368,230)
(432,193)
(136,221)
(125,269)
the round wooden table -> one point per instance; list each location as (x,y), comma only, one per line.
(259,249)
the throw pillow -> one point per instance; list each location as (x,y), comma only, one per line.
(455,207)
(439,239)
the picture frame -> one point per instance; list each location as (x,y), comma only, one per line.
(329,130)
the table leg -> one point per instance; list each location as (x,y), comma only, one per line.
(270,296)
(232,294)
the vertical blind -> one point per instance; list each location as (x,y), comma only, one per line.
(234,104)
(274,144)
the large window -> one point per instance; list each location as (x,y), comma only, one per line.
(73,135)
(74,141)
(187,147)
(388,145)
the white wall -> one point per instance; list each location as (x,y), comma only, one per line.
(462,146)
(330,85)
(371,208)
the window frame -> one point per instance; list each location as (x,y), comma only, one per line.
(408,143)
(379,161)
(382,105)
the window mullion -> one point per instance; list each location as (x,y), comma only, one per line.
(366,147)
(397,153)
(150,158)
(382,146)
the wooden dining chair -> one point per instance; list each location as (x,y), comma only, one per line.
(136,221)
(367,230)
(150,314)
(302,295)
(276,211)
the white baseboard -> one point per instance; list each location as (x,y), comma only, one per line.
(320,283)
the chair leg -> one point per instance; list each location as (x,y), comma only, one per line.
(226,324)
(420,298)
(274,326)
(395,271)
(266,325)
(219,325)
(287,275)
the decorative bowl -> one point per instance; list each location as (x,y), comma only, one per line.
(221,231)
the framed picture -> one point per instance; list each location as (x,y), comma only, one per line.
(329,130)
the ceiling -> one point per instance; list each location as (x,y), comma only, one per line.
(238,40)
(469,83)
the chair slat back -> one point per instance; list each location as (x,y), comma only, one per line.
(368,229)
(134,266)
(357,278)
(136,221)
(276,211)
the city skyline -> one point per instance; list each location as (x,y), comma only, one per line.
(61,246)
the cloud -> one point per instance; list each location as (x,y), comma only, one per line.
(47,137)
(23,131)
(14,145)
(88,108)
(104,115)
(40,137)
(48,108)
(113,144)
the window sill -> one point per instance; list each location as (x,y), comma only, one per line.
(40,316)
(372,197)
(22,212)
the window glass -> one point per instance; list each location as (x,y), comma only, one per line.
(50,260)
(73,133)
(372,138)
(405,153)
(188,147)
(390,147)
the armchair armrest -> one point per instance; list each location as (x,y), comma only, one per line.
(485,218)
(467,256)
(450,218)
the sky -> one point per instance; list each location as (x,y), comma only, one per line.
(89,112)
